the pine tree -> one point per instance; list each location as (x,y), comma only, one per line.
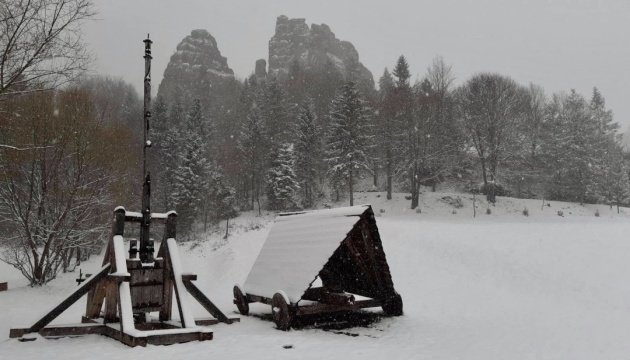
(308,151)
(348,138)
(282,184)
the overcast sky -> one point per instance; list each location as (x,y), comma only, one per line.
(559,44)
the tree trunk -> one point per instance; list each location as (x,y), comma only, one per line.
(375,182)
(389,174)
(484,172)
(227,228)
(415,188)
(491,189)
(351,189)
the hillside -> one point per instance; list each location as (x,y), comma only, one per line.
(491,287)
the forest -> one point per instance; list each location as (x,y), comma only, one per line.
(71,144)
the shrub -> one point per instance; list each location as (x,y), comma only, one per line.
(488,211)
(560,213)
(597,213)
(525,212)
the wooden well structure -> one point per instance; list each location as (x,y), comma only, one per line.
(133,285)
(339,248)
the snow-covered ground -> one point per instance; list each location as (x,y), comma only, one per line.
(498,286)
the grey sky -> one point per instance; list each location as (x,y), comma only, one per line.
(559,44)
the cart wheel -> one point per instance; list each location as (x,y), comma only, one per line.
(241,301)
(393,306)
(281,312)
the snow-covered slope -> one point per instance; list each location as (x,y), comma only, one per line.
(498,286)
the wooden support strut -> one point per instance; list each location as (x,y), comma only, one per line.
(76,295)
(203,300)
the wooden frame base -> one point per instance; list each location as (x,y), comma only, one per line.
(124,293)
(112,330)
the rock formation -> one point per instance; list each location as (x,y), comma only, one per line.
(196,67)
(313,49)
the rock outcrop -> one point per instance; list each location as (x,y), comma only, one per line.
(313,49)
(196,67)
(261,68)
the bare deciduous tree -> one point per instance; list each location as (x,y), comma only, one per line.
(491,108)
(55,197)
(40,44)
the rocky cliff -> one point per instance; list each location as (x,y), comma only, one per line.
(313,49)
(196,67)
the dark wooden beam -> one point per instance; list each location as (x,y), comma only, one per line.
(205,302)
(324,308)
(76,295)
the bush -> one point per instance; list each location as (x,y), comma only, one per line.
(597,213)
(457,202)
(560,213)
(500,190)
(525,212)
(488,211)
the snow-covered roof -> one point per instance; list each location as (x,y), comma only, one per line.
(297,248)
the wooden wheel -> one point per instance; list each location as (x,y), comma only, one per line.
(393,306)
(281,312)
(241,301)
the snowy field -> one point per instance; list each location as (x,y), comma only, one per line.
(499,286)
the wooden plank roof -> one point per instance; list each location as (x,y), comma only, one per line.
(297,248)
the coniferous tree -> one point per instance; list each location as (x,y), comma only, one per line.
(308,151)
(615,184)
(254,148)
(282,183)
(274,112)
(570,150)
(387,127)
(172,152)
(191,180)
(348,138)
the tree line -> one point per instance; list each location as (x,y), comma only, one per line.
(286,153)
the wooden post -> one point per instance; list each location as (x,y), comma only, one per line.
(170,231)
(146,246)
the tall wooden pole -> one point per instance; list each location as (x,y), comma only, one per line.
(146,245)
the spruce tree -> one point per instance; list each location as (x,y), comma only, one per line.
(348,138)
(253,145)
(282,184)
(308,152)
(191,180)
(386,127)
(274,112)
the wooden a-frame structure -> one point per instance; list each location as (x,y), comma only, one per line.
(123,293)
(341,248)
